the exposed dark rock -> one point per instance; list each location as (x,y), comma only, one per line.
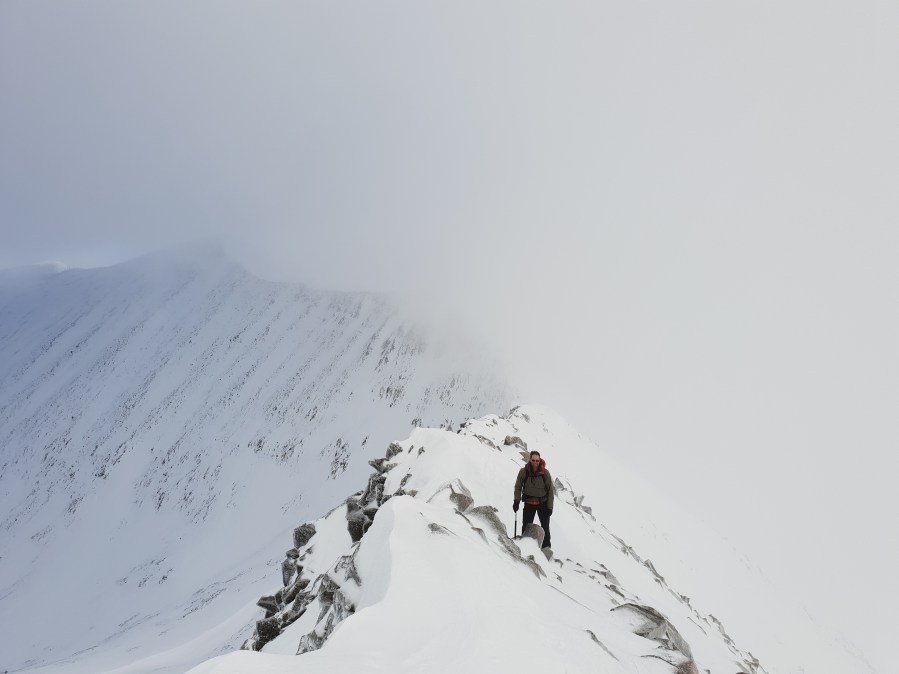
(393,450)
(625,548)
(462,501)
(650,624)
(535,531)
(268,602)
(353,506)
(288,568)
(509,546)
(515,441)
(439,529)
(326,590)
(291,593)
(458,494)
(356,527)
(616,590)
(346,565)
(601,644)
(485,441)
(535,567)
(605,573)
(480,533)
(362,506)
(687,667)
(302,534)
(680,664)
(266,630)
(357,522)
(375,488)
(289,616)
(489,513)
(293,553)
(300,603)
(310,642)
(652,569)
(336,607)
(752,664)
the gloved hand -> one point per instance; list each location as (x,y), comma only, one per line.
(549,511)
(515,505)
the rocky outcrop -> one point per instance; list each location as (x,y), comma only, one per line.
(457,493)
(648,623)
(301,535)
(362,506)
(334,605)
(289,565)
(489,515)
(325,591)
(515,441)
(534,531)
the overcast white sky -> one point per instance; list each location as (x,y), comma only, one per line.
(679,219)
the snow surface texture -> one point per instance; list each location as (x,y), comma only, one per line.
(418,573)
(163,422)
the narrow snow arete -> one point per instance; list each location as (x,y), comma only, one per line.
(417,573)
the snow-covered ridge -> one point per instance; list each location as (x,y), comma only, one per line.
(31,272)
(163,420)
(418,572)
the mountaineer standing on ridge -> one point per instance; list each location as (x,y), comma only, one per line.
(534,486)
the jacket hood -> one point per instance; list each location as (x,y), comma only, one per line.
(541,467)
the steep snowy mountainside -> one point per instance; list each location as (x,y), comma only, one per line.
(164,420)
(418,572)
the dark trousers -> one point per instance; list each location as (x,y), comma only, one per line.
(543,513)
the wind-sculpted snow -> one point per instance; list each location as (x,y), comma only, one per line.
(162,421)
(419,573)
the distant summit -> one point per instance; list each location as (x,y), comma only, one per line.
(32,271)
(196,257)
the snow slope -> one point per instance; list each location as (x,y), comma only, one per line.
(435,583)
(163,422)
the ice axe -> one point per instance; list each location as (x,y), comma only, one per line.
(516,524)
